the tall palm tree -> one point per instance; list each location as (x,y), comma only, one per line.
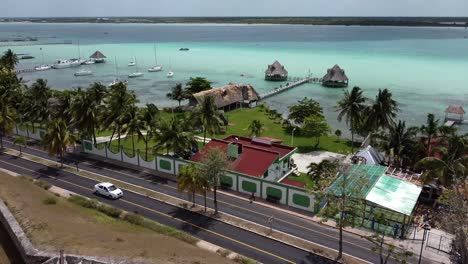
(207,116)
(57,138)
(382,113)
(320,171)
(399,143)
(177,93)
(98,92)
(21,142)
(173,136)
(9,60)
(351,107)
(430,131)
(7,118)
(84,115)
(38,96)
(451,160)
(256,128)
(191,180)
(134,124)
(151,120)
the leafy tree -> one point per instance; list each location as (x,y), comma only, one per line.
(322,173)
(173,136)
(57,138)
(386,251)
(37,100)
(351,107)
(338,133)
(214,165)
(256,128)
(451,160)
(198,84)
(177,93)
(399,143)
(430,131)
(207,117)
(7,118)
(344,204)
(133,124)
(315,126)
(151,120)
(190,179)
(21,142)
(9,60)
(382,113)
(305,108)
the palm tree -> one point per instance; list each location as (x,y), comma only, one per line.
(451,160)
(321,171)
(177,93)
(256,128)
(37,99)
(430,131)
(57,138)
(190,179)
(173,136)
(351,107)
(9,60)
(150,119)
(207,117)
(83,116)
(134,125)
(21,142)
(399,143)
(7,118)
(98,92)
(382,113)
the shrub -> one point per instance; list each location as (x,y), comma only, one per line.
(244,260)
(133,219)
(85,202)
(109,210)
(43,184)
(49,200)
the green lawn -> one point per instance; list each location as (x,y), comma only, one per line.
(241,119)
(303,178)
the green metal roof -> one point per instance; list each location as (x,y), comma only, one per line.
(394,194)
(361,179)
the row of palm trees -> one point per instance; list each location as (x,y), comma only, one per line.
(438,150)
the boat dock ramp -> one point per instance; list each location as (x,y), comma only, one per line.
(296,82)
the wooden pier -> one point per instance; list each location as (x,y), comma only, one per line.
(25,70)
(288,86)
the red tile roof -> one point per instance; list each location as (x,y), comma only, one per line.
(293,183)
(282,150)
(252,161)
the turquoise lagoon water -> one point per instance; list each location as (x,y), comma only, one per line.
(425,68)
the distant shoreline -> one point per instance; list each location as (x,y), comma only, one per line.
(318,21)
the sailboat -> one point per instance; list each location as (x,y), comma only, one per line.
(132,63)
(116,80)
(83,72)
(157,67)
(80,61)
(170,74)
(136,73)
(43,66)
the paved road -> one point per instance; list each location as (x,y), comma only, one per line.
(311,231)
(238,240)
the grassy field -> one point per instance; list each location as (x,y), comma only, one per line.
(303,178)
(93,233)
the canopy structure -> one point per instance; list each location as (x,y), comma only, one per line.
(97,55)
(335,77)
(276,72)
(454,110)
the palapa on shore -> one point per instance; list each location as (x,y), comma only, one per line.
(228,97)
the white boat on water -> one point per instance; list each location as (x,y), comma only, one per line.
(62,64)
(116,81)
(157,67)
(43,67)
(132,63)
(135,74)
(88,62)
(170,74)
(83,72)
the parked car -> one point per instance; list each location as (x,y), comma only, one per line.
(108,189)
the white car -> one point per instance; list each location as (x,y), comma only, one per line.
(108,189)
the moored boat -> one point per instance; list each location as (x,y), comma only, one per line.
(61,64)
(83,72)
(135,74)
(43,67)
(170,74)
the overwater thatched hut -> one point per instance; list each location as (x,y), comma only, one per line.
(98,57)
(335,77)
(456,110)
(276,72)
(229,97)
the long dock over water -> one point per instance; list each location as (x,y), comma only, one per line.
(289,86)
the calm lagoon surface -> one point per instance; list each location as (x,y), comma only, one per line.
(426,69)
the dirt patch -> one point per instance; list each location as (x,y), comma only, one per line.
(84,231)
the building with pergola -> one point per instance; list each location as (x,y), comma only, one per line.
(454,113)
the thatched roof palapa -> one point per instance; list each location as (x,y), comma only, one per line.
(276,69)
(335,74)
(229,94)
(97,55)
(455,109)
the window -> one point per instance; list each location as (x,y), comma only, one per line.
(112,188)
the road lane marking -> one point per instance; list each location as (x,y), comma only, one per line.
(164,214)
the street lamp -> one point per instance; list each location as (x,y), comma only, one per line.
(292,136)
(426,228)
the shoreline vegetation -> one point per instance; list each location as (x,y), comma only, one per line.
(331,21)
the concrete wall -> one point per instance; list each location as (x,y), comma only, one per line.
(114,156)
(130,160)
(249,185)
(147,164)
(165,164)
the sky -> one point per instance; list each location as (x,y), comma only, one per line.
(102,8)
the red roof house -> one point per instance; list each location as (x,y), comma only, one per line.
(257,157)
